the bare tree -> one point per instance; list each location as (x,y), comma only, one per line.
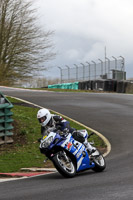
(24,47)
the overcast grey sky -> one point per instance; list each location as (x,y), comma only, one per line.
(84,27)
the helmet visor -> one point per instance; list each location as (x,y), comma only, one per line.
(42,119)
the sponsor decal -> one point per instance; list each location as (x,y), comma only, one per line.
(69,146)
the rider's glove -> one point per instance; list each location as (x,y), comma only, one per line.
(39,140)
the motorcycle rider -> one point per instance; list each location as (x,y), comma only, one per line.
(50,122)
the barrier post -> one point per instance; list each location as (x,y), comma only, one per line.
(5,120)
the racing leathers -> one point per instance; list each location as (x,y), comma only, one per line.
(61,125)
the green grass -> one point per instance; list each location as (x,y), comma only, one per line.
(25,151)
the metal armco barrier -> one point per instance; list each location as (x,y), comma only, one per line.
(5,120)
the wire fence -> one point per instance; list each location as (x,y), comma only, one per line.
(109,69)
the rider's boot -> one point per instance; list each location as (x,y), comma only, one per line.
(89,148)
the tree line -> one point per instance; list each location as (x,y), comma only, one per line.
(25,47)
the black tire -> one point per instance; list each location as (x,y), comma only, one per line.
(64,164)
(99,161)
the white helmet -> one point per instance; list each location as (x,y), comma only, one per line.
(44,116)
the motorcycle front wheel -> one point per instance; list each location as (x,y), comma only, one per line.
(64,164)
(99,161)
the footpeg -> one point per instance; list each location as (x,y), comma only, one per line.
(45,160)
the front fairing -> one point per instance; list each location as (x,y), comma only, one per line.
(79,151)
(74,147)
(56,140)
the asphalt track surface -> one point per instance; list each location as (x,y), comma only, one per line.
(111,115)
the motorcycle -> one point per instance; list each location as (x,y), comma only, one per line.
(69,156)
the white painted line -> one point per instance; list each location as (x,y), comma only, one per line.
(24,177)
(11,179)
(36,169)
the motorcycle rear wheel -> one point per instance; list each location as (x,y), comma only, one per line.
(64,164)
(99,161)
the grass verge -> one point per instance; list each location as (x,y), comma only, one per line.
(24,152)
